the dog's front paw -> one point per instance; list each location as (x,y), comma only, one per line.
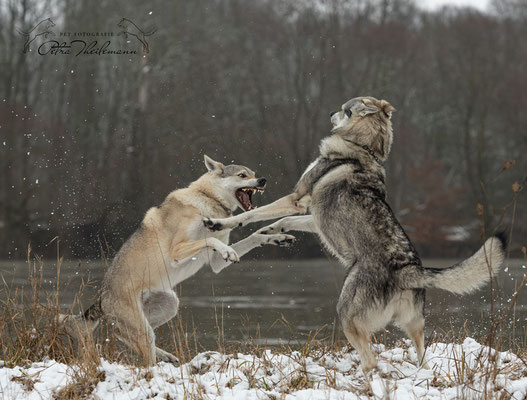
(279,240)
(228,254)
(284,240)
(212,224)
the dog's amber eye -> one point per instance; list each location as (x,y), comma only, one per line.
(242,175)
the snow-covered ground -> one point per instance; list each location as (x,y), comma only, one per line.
(457,371)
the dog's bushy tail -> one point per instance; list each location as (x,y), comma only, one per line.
(463,277)
(81,326)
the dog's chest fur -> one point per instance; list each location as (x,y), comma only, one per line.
(348,203)
(197,231)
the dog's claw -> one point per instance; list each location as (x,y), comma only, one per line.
(286,242)
(230,255)
(281,240)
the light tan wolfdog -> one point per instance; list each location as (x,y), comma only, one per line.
(171,245)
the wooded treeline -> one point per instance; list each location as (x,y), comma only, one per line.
(89,142)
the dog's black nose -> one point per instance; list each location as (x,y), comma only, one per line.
(262,182)
(332,113)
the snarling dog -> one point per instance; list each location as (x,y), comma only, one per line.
(344,189)
(171,245)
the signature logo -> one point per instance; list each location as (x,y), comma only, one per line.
(129,28)
(85,42)
(40,29)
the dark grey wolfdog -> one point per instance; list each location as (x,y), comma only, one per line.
(345,191)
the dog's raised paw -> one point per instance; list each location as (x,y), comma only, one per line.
(211,225)
(230,255)
(283,240)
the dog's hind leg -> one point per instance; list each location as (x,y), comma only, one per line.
(139,336)
(415,331)
(160,307)
(359,317)
(359,338)
(410,318)
(133,329)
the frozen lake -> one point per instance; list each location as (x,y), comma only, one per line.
(280,302)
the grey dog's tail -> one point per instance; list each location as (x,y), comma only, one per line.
(463,277)
(81,326)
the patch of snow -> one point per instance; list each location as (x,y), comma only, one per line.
(457,371)
(456,233)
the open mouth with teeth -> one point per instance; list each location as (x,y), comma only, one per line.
(245,196)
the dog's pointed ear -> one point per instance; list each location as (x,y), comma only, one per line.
(212,166)
(365,107)
(387,108)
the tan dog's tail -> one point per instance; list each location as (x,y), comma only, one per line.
(463,277)
(81,326)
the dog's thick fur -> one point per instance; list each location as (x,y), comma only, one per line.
(171,245)
(345,191)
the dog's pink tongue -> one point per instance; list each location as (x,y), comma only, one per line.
(245,199)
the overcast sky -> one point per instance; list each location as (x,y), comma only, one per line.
(433,4)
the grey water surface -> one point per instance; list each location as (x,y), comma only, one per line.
(281,302)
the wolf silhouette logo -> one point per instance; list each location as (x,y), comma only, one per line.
(130,28)
(40,29)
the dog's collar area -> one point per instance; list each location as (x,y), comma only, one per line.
(370,151)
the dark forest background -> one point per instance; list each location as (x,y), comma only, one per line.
(89,143)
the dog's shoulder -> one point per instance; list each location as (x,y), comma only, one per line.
(176,207)
(353,180)
(327,169)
